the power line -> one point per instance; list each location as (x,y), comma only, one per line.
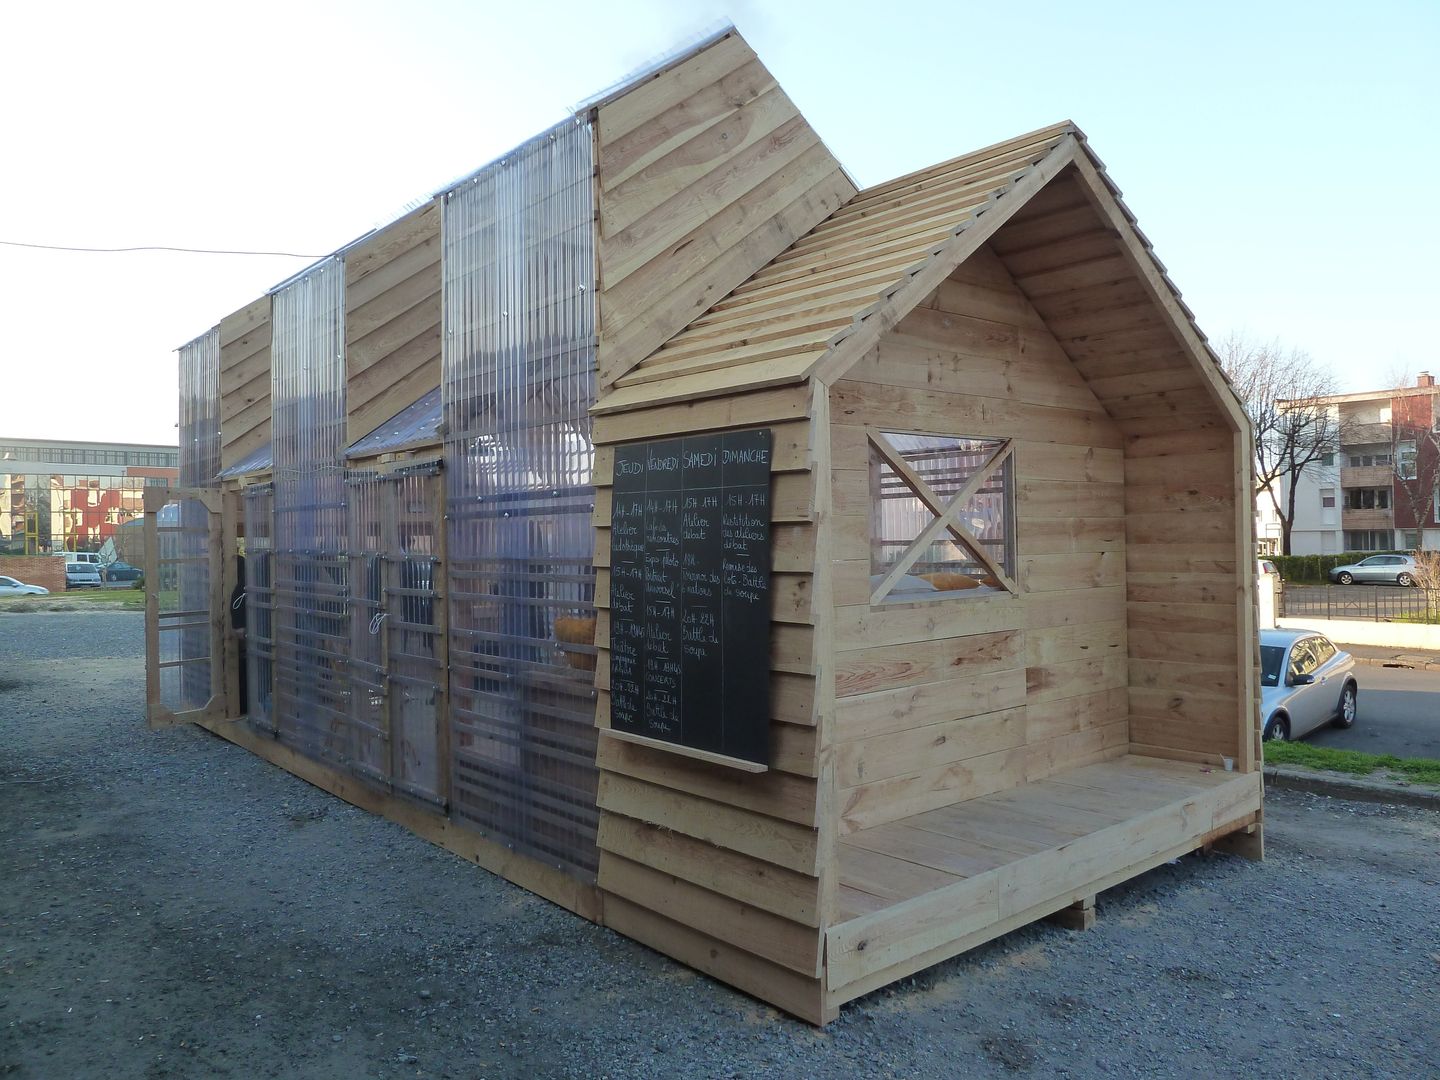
(156,247)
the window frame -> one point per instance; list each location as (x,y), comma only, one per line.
(946,511)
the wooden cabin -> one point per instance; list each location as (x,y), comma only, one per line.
(808,583)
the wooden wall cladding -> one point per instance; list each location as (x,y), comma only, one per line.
(729,866)
(1187,574)
(392,320)
(244,381)
(705,173)
(950,699)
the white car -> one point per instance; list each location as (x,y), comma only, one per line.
(1305,683)
(9,586)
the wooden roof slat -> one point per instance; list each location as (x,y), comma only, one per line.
(846,225)
(1052,135)
(741,354)
(811,320)
(774,328)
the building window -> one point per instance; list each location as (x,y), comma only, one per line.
(1367,539)
(1367,499)
(1359,461)
(1405,461)
(942,517)
(1409,539)
(1327,460)
(1327,497)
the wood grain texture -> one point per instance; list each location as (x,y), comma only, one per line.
(952,699)
(704,174)
(244,382)
(392,320)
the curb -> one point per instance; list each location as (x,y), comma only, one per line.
(1355,788)
(1403,660)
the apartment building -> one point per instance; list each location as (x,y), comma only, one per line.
(1379,489)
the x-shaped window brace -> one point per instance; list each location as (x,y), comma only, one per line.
(945,515)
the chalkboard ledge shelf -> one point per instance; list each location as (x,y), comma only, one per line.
(687,751)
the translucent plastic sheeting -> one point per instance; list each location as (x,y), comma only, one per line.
(310,579)
(367,618)
(396,654)
(182,568)
(416,425)
(259,460)
(939,469)
(260,606)
(200,410)
(519,357)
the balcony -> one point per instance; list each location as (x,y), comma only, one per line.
(1367,519)
(1369,476)
(1365,434)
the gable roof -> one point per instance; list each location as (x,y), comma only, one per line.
(779,324)
(815,309)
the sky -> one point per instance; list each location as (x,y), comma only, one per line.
(1277,154)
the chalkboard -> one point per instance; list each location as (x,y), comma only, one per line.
(690,592)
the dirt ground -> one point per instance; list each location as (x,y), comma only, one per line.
(171,906)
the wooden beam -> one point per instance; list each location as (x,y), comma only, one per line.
(968,238)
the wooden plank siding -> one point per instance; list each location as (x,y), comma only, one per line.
(244,382)
(963,696)
(721,862)
(704,174)
(392,320)
(1187,569)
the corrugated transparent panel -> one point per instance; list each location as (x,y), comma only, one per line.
(367,618)
(258,460)
(200,410)
(310,566)
(903,506)
(414,648)
(396,674)
(260,605)
(182,569)
(417,424)
(519,357)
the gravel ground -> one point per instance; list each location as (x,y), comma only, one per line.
(174,907)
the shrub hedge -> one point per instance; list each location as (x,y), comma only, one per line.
(1314,569)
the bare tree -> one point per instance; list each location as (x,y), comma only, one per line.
(1415,457)
(1284,392)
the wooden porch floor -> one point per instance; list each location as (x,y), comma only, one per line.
(916,891)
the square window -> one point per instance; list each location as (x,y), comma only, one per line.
(942,516)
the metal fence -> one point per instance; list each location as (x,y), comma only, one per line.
(1377,603)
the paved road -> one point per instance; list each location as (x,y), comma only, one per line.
(1399,714)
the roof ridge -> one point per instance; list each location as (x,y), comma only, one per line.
(745,345)
(1052,131)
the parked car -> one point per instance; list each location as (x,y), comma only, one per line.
(1306,682)
(90,557)
(121,571)
(1377,569)
(10,586)
(82,576)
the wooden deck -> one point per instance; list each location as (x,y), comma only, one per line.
(917,891)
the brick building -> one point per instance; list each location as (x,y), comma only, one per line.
(57,495)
